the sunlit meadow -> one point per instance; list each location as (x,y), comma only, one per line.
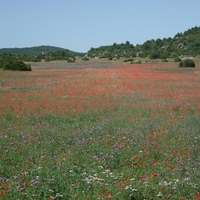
(121,132)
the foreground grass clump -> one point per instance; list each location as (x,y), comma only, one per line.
(129,132)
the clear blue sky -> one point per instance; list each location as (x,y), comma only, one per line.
(79,25)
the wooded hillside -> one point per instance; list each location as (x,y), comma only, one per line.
(187,43)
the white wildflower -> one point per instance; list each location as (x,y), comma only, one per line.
(176,181)
(59,195)
(126,188)
(160,194)
(186,179)
(134,190)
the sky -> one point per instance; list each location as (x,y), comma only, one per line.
(79,25)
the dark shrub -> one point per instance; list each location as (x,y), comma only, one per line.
(35,59)
(110,58)
(138,62)
(85,58)
(70,60)
(154,55)
(129,60)
(187,63)
(177,59)
(16,66)
(13,63)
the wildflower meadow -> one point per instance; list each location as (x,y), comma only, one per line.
(97,131)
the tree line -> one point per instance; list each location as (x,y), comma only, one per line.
(42,53)
(187,43)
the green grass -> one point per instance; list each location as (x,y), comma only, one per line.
(139,145)
(92,155)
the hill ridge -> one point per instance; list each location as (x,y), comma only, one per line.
(33,51)
(186,43)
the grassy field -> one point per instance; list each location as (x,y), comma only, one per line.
(103,130)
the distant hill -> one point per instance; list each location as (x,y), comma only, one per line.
(187,43)
(32,51)
(37,54)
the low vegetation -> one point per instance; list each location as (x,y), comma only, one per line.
(177,59)
(187,63)
(8,62)
(100,132)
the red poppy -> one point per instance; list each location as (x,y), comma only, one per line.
(155,175)
(2,194)
(109,195)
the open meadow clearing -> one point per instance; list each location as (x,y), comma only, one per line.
(100,131)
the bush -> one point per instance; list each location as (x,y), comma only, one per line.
(129,60)
(16,66)
(154,55)
(187,63)
(12,63)
(177,59)
(85,58)
(138,62)
(35,59)
(70,60)
(47,59)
